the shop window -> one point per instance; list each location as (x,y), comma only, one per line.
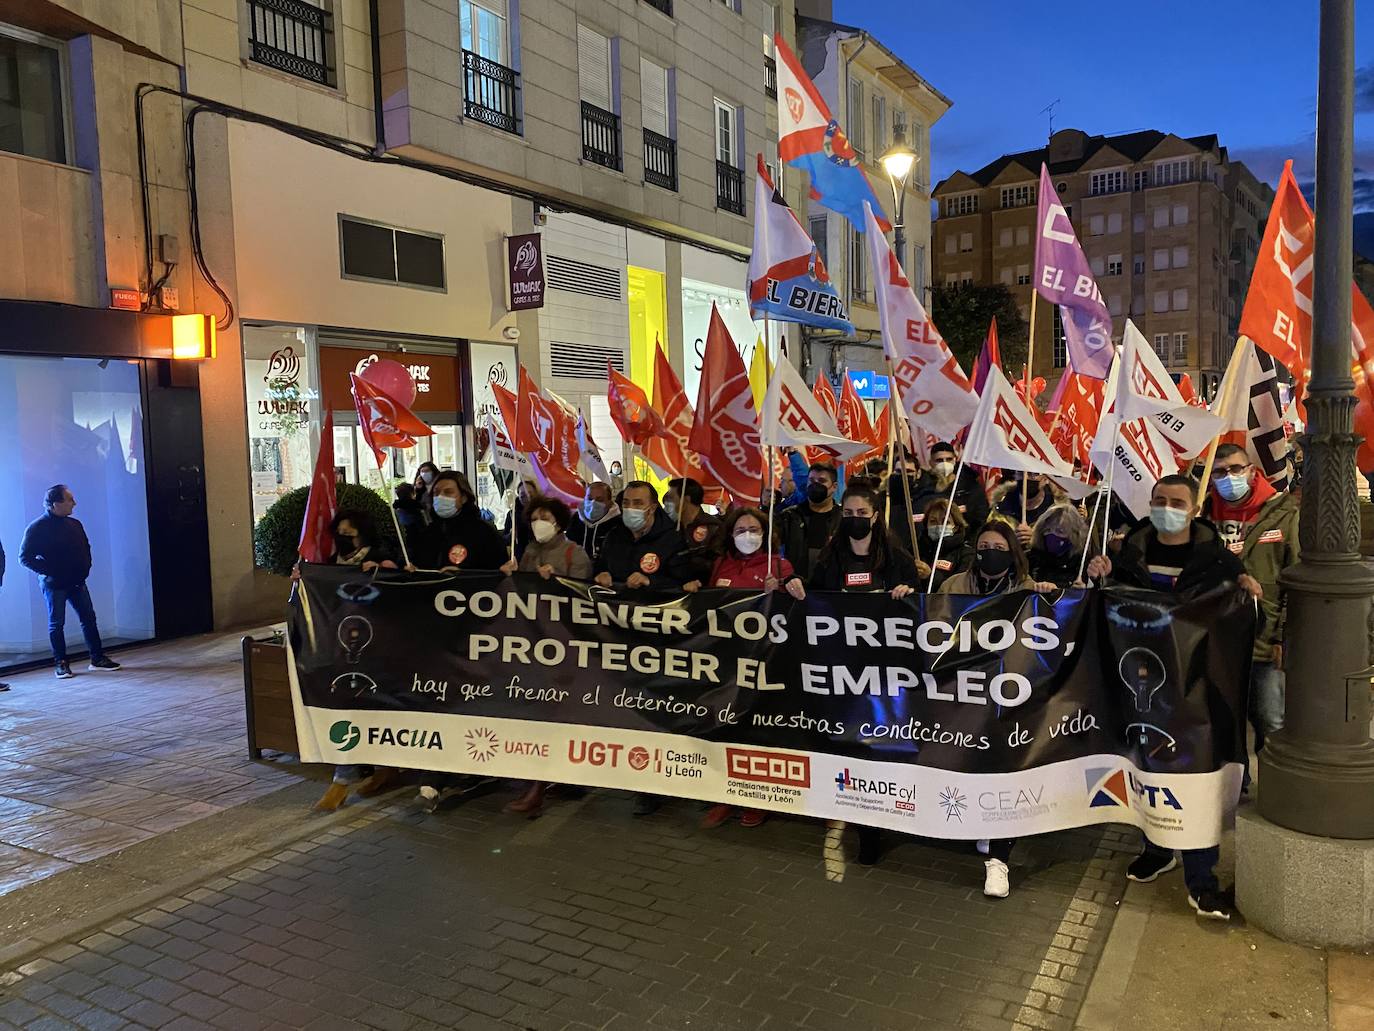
(32,107)
(281,388)
(385,254)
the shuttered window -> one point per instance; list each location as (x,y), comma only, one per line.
(594,67)
(856,115)
(653,80)
(725,133)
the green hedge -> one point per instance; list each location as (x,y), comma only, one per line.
(278,532)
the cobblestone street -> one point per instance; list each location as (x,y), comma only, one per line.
(589,918)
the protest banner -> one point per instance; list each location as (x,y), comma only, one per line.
(940,715)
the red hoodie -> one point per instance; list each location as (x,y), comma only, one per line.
(749,571)
(1233,518)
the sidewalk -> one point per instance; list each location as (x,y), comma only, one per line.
(92,765)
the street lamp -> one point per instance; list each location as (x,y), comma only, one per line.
(898,161)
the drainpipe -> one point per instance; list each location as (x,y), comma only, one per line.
(379,121)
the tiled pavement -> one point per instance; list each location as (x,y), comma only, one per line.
(588,918)
(91,765)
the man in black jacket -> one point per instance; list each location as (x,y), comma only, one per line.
(806,529)
(969,496)
(1175,551)
(644,549)
(56,548)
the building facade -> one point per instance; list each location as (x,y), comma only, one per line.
(1170,226)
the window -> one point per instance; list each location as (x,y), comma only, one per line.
(1180,257)
(1138,222)
(1180,214)
(1179,170)
(951,279)
(294,37)
(1137,305)
(965,278)
(1114,264)
(879,124)
(1162,346)
(729,174)
(725,133)
(916,274)
(1181,346)
(1161,218)
(858,278)
(856,115)
(1206,170)
(653,92)
(1181,299)
(1007,276)
(965,243)
(1114,304)
(1004,238)
(594,67)
(1022,236)
(1114,222)
(1140,180)
(32,112)
(1018,196)
(1161,301)
(819,226)
(770,61)
(483,28)
(952,243)
(1161,258)
(1099,266)
(1059,345)
(384,254)
(1097,225)
(1108,182)
(961,204)
(1022,275)
(1138,265)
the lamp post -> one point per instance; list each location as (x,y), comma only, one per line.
(898,161)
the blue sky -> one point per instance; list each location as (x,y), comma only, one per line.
(1244,70)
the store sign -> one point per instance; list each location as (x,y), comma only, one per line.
(525,264)
(870,385)
(436,377)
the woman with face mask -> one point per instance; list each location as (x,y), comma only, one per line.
(1057,545)
(456,538)
(425,476)
(863,556)
(956,546)
(550,553)
(743,562)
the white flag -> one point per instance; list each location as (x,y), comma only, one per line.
(591,454)
(503,453)
(1251,411)
(1005,435)
(792,417)
(929,382)
(1150,392)
(1133,454)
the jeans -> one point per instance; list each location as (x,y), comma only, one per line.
(1199,866)
(80,598)
(1266,700)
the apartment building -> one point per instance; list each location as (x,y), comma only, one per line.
(1171,227)
(874,94)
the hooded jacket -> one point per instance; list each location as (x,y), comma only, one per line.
(1210,564)
(660,554)
(590,536)
(968,495)
(1266,540)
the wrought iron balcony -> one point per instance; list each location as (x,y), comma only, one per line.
(293,37)
(491,92)
(729,188)
(600,136)
(770,75)
(660,160)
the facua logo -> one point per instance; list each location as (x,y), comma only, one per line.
(768,767)
(480,744)
(1154,795)
(1107,788)
(346,735)
(406,737)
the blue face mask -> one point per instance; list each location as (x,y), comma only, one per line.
(634,518)
(1168,520)
(1233,487)
(445,508)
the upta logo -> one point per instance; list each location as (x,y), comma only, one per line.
(1107,788)
(346,735)
(769,767)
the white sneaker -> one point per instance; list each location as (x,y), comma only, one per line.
(996,884)
(983,846)
(429,794)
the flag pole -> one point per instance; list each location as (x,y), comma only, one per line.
(891,455)
(401,537)
(906,483)
(768,461)
(1207,470)
(1092,525)
(940,540)
(1026,380)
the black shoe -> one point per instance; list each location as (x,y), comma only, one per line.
(4,686)
(1149,865)
(647,805)
(870,846)
(103,663)
(1212,905)
(63,671)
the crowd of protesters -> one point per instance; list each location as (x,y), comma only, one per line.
(877,529)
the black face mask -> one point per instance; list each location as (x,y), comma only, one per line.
(345,545)
(992,563)
(856,527)
(817,492)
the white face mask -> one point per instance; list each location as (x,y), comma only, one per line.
(543,530)
(943,469)
(748,541)
(938,531)
(426,477)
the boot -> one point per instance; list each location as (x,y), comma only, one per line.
(334,797)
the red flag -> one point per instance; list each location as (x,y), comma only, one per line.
(852,418)
(317,545)
(630,409)
(385,422)
(669,453)
(1076,407)
(824,393)
(882,428)
(548,432)
(988,357)
(1189,392)
(725,431)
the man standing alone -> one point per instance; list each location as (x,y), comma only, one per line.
(56,548)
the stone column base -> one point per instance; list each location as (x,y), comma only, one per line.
(1316,891)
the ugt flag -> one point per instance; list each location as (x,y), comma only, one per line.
(787,278)
(316,544)
(811,139)
(1063,277)
(385,422)
(725,430)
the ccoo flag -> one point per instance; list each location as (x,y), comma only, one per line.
(811,139)
(787,278)
(1063,277)
(792,417)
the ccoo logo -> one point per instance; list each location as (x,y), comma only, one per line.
(346,735)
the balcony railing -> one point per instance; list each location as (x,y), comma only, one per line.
(293,37)
(770,75)
(491,92)
(600,136)
(666,6)
(660,160)
(729,188)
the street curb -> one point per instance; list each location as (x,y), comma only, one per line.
(46,937)
(1101,1009)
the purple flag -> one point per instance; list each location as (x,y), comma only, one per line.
(1063,277)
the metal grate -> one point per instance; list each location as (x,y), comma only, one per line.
(581,277)
(292,36)
(660,160)
(490,92)
(729,188)
(600,136)
(770,76)
(583,361)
